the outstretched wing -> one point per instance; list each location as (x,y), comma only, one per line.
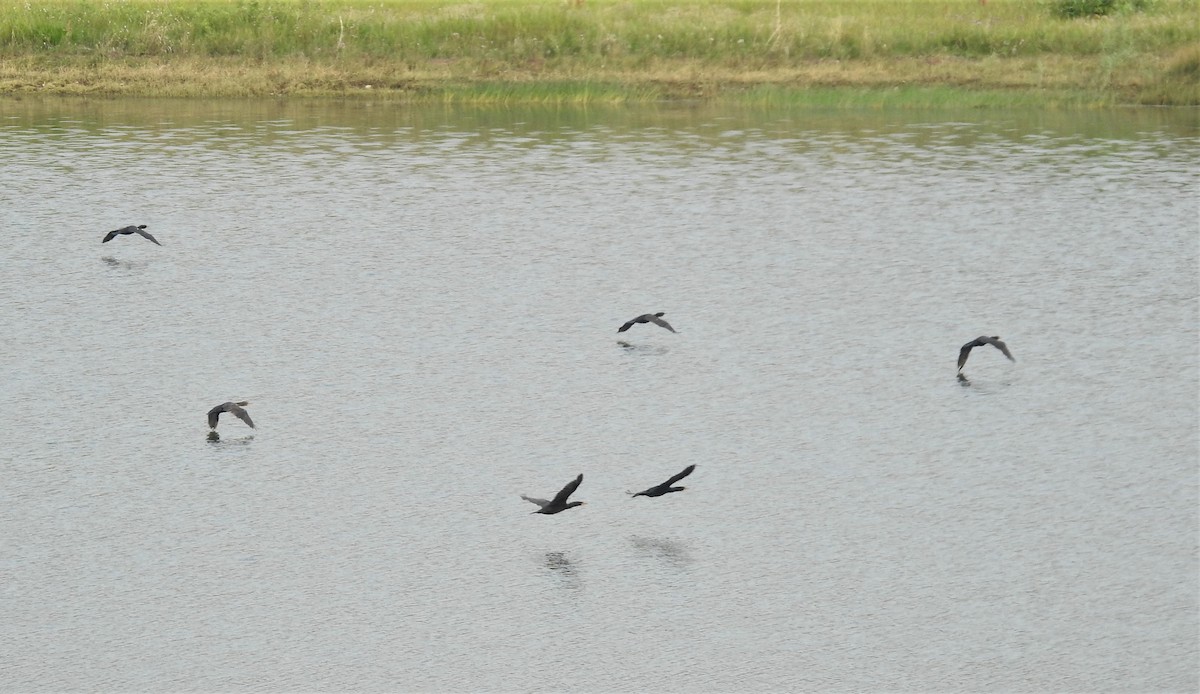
(686,471)
(241,414)
(1003,348)
(567,491)
(539,502)
(145,233)
(625,327)
(658,321)
(962,353)
(213,414)
(111,235)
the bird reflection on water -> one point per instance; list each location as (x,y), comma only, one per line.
(642,349)
(215,438)
(559,565)
(672,551)
(123,264)
(986,386)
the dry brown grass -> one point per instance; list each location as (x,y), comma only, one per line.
(232,76)
(553,49)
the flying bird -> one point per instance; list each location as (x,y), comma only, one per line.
(234,408)
(655,318)
(994,340)
(665,487)
(139,229)
(559,502)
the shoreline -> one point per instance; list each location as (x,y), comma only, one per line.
(904,83)
(817,52)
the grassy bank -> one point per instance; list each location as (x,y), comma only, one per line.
(603,50)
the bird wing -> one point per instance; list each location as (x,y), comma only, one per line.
(567,491)
(241,414)
(539,502)
(962,353)
(111,235)
(658,321)
(213,414)
(625,327)
(1003,348)
(686,471)
(145,233)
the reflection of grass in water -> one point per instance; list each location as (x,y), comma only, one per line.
(922,96)
(562,52)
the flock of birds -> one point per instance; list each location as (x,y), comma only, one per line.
(559,503)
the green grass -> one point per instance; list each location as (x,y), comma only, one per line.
(595,49)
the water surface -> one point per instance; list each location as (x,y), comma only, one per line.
(421,305)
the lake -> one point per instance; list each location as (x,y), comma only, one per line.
(421,305)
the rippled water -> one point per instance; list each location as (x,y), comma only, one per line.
(421,305)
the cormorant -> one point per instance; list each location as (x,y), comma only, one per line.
(994,340)
(655,318)
(234,408)
(559,502)
(139,229)
(665,487)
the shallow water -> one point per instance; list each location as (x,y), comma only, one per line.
(421,305)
